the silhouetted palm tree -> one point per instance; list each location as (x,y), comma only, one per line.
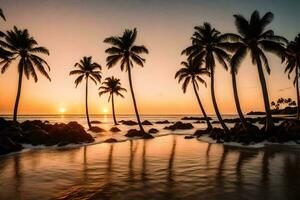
(112,86)
(2,15)
(208,44)
(124,50)
(253,38)
(88,70)
(24,49)
(233,73)
(293,64)
(192,72)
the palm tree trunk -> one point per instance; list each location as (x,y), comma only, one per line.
(209,126)
(297,88)
(113,109)
(86,102)
(18,93)
(212,88)
(134,102)
(237,101)
(269,121)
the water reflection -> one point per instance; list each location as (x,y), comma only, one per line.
(164,168)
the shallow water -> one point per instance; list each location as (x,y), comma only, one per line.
(167,167)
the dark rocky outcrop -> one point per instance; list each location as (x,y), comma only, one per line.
(111,140)
(153,130)
(179,125)
(196,118)
(146,122)
(97,129)
(163,122)
(95,122)
(199,122)
(188,137)
(36,132)
(115,129)
(138,133)
(128,122)
(285,111)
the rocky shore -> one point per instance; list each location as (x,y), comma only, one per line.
(14,134)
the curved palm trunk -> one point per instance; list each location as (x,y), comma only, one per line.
(18,94)
(212,88)
(134,102)
(297,89)
(113,109)
(209,126)
(237,101)
(86,103)
(269,121)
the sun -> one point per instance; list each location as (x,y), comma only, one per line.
(62,110)
(105,110)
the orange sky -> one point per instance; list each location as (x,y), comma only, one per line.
(73,29)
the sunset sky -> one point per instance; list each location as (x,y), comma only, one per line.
(71,29)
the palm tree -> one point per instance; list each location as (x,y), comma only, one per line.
(87,70)
(192,72)
(112,86)
(233,73)
(293,64)
(123,49)
(23,49)
(208,45)
(2,15)
(254,38)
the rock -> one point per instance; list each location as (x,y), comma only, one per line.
(188,137)
(129,122)
(8,146)
(256,113)
(115,129)
(14,132)
(97,129)
(215,122)
(146,122)
(199,133)
(179,125)
(196,118)
(111,140)
(163,122)
(138,133)
(95,122)
(153,130)
(199,122)
(37,137)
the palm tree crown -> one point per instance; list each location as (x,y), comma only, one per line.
(20,45)
(208,44)
(293,57)
(87,69)
(112,86)
(124,50)
(191,72)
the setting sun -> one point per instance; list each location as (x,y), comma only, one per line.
(105,110)
(62,110)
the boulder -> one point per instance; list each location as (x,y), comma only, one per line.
(95,122)
(199,122)
(115,129)
(129,122)
(188,137)
(179,125)
(111,140)
(138,133)
(163,122)
(153,130)
(8,146)
(146,122)
(199,133)
(14,132)
(196,118)
(37,137)
(97,129)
